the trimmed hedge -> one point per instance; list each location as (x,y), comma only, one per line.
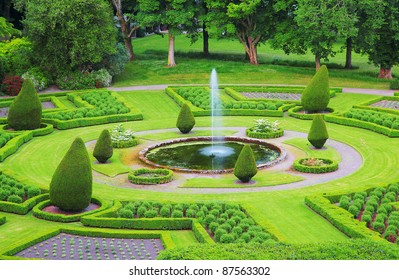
(293,112)
(316,95)
(245,167)
(44,129)
(265,135)
(38,213)
(162,176)
(340,218)
(185,120)
(103,149)
(331,167)
(2,220)
(318,134)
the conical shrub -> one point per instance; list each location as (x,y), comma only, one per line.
(316,96)
(103,149)
(245,167)
(185,120)
(25,112)
(318,133)
(71,185)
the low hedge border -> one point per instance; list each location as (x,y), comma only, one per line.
(24,207)
(166,176)
(200,233)
(331,167)
(45,129)
(125,143)
(293,112)
(13,145)
(38,213)
(340,218)
(366,105)
(165,237)
(265,135)
(2,220)
(393,133)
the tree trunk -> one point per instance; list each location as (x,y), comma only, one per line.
(385,73)
(171,53)
(348,63)
(317,59)
(253,54)
(129,47)
(125,28)
(205,37)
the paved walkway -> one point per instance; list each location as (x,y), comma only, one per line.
(351,162)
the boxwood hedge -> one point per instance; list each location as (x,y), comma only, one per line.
(145,176)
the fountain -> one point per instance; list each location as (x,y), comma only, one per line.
(209,154)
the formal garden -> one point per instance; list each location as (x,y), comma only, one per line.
(106,154)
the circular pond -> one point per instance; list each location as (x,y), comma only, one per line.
(201,155)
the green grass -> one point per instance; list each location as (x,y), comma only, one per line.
(113,166)
(64,100)
(193,133)
(303,144)
(262,179)
(182,238)
(227,57)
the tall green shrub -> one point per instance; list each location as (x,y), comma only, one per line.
(316,95)
(103,149)
(71,185)
(318,133)
(185,120)
(25,112)
(245,167)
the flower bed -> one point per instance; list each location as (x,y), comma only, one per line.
(123,138)
(145,176)
(315,165)
(265,129)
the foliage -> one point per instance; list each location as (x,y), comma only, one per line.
(12,188)
(17,54)
(394,84)
(245,167)
(25,112)
(145,176)
(71,184)
(316,96)
(353,249)
(379,118)
(318,134)
(11,85)
(122,137)
(115,63)
(83,35)
(264,126)
(103,149)
(76,80)
(6,28)
(185,121)
(38,78)
(102,78)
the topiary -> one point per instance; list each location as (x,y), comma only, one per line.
(103,149)
(71,185)
(185,121)
(318,134)
(316,95)
(25,112)
(245,167)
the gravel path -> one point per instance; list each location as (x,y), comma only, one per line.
(351,162)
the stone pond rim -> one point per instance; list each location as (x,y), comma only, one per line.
(143,153)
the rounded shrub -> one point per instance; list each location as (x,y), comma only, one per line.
(185,121)
(126,213)
(237,230)
(246,236)
(191,213)
(367,219)
(227,227)
(71,184)
(103,149)
(316,96)
(25,112)
(218,233)
(227,238)
(151,213)
(344,202)
(318,134)
(209,219)
(379,227)
(14,198)
(354,210)
(245,167)
(213,227)
(33,191)
(141,211)
(177,214)
(165,212)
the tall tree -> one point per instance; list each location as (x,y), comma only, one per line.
(126,21)
(314,25)
(68,35)
(251,21)
(7,29)
(175,15)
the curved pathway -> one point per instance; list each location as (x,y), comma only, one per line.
(351,161)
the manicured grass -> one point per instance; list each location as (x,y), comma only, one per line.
(113,166)
(193,133)
(66,102)
(263,178)
(227,57)
(303,144)
(182,238)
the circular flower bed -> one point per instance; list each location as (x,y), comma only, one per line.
(315,165)
(145,176)
(123,138)
(265,129)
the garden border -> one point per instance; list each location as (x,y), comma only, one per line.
(265,135)
(166,176)
(293,113)
(331,167)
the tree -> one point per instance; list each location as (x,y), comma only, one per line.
(185,121)
(71,184)
(128,27)
(6,28)
(175,15)
(103,149)
(316,96)
(314,25)
(69,35)
(318,133)
(245,167)
(251,21)
(25,112)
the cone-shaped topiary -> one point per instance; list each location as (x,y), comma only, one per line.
(318,134)
(316,95)
(103,149)
(71,185)
(185,120)
(25,112)
(245,167)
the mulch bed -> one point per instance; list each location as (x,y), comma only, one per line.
(45,105)
(55,210)
(272,95)
(388,104)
